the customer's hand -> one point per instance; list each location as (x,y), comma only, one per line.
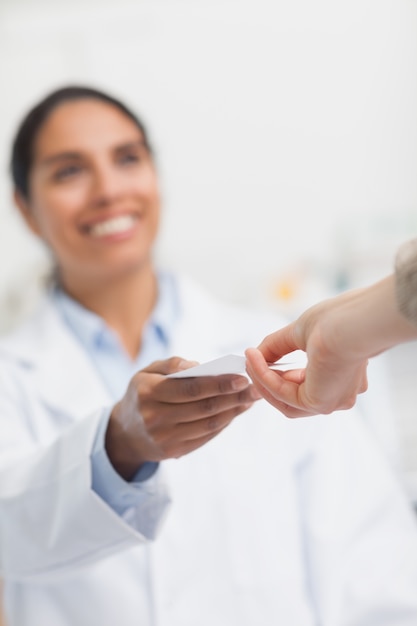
(323,387)
(339,335)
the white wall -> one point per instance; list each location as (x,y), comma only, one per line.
(286,130)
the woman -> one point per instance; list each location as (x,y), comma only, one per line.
(255,531)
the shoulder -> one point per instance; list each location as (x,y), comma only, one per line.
(44,362)
(35,335)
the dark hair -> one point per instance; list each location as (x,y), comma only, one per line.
(23,144)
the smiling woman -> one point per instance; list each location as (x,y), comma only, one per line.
(86,184)
(98,446)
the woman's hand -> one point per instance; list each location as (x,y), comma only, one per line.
(160,418)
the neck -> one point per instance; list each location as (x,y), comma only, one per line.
(125,303)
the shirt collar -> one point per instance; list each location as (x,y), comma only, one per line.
(92,330)
(166,310)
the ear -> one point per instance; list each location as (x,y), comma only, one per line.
(26,212)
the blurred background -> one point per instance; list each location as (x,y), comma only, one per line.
(286,140)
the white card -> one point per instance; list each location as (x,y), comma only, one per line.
(229,364)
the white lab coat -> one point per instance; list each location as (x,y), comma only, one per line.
(274,522)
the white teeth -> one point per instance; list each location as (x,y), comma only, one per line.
(113,226)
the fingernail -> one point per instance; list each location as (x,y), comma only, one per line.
(240,383)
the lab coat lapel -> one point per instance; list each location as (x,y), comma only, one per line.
(63,373)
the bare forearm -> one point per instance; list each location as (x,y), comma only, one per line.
(368,321)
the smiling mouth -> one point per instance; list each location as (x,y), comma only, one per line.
(112,226)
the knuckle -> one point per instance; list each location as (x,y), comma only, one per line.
(324,407)
(234,413)
(245,396)
(151,420)
(349,402)
(191,387)
(179,449)
(326,410)
(142,385)
(224,385)
(212,424)
(162,443)
(144,403)
(210,405)
(174,363)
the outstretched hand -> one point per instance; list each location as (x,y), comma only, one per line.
(300,392)
(336,369)
(160,418)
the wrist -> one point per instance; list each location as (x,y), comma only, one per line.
(120,447)
(376,323)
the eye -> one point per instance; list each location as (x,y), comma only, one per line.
(128,158)
(67,172)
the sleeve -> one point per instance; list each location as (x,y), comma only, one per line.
(51,519)
(133,501)
(406,280)
(360,530)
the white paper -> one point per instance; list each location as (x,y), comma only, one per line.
(229,364)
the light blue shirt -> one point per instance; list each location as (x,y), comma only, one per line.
(116,368)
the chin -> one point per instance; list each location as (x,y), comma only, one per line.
(123,268)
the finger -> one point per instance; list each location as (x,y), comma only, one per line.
(193,444)
(198,410)
(256,364)
(292,412)
(295,376)
(272,384)
(363,387)
(364,384)
(256,359)
(328,388)
(184,438)
(278,344)
(169,366)
(210,425)
(283,407)
(183,390)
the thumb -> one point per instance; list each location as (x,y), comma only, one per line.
(169,366)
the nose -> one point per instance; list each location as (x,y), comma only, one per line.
(106,185)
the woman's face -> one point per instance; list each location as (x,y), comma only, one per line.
(94,196)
